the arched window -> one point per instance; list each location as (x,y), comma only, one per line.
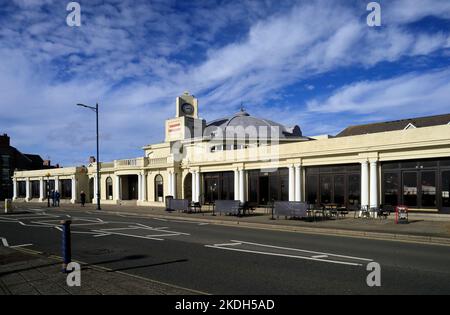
(159,188)
(109,188)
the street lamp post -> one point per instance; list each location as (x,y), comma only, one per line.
(95,109)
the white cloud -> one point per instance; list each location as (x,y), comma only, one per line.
(411,94)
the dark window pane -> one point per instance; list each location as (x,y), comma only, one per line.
(66,189)
(354,189)
(339,189)
(428,164)
(109,188)
(21,189)
(311,189)
(445,189)
(428,189)
(410,189)
(274,187)
(390,166)
(35,189)
(325,189)
(284,185)
(409,164)
(391,188)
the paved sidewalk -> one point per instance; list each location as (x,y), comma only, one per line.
(25,273)
(421,228)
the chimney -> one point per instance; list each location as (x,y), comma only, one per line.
(47,163)
(92,159)
(4,140)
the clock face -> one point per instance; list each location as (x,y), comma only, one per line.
(187,108)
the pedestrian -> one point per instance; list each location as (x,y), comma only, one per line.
(57,197)
(53,196)
(83,198)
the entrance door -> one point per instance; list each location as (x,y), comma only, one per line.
(263,190)
(410,189)
(445,191)
(212,189)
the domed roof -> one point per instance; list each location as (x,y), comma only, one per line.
(253,127)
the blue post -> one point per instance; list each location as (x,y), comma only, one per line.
(66,244)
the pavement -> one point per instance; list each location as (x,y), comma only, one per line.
(187,253)
(24,272)
(422,228)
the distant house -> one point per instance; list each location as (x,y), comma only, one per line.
(12,159)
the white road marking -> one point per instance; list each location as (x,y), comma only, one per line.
(317,256)
(305,251)
(284,255)
(4,242)
(23,245)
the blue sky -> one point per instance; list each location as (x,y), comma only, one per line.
(312,63)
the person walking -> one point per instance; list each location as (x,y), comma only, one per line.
(57,197)
(83,198)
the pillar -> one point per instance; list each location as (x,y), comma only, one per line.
(197,186)
(74,189)
(374,184)
(139,187)
(144,187)
(236,185)
(241,185)
(27,189)
(41,189)
(194,183)
(116,188)
(291,183)
(364,184)
(174,185)
(95,189)
(298,183)
(56,183)
(14,189)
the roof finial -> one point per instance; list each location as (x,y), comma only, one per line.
(242,107)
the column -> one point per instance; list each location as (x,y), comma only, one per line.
(41,189)
(194,184)
(144,187)
(27,189)
(291,183)
(117,188)
(373,184)
(197,186)
(298,183)
(95,189)
(139,187)
(364,184)
(241,185)
(236,185)
(56,183)
(174,185)
(74,189)
(14,189)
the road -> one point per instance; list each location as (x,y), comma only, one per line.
(232,260)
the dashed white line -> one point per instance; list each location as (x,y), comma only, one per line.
(4,242)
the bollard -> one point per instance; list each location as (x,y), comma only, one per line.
(8,206)
(66,245)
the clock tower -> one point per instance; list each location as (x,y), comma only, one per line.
(186,123)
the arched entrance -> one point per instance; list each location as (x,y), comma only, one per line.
(187,187)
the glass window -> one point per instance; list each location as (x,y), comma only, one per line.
(284,185)
(445,189)
(159,188)
(428,189)
(35,189)
(66,189)
(339,189)
(354,189)
(312,189)
(391,188)
(21,189)
(325,189)
(109,188)
(410,189)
